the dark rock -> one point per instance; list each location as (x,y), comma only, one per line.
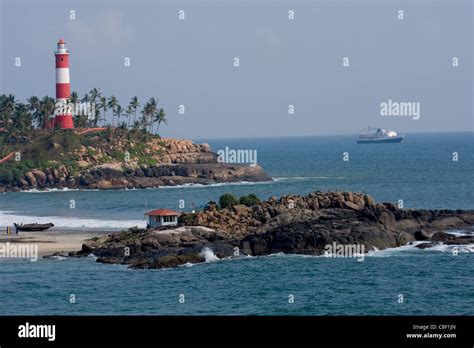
(425,245)
(442,237)
(421,235)
(275,226)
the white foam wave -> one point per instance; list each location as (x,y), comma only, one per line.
(460,233)
(308,178)
(189,185)
(8,218)
(393,251)
(59,258)
(208,255)
(468,248)
(282,254)
(51,190)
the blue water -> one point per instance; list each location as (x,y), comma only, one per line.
(420,171)
(433,283)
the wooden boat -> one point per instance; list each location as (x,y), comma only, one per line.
(33,227)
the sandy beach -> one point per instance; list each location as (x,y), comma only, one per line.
(52,241)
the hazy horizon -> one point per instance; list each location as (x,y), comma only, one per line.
(282,62)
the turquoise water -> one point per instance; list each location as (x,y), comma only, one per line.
(419,171)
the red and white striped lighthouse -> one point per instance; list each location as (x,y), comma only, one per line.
(63,113)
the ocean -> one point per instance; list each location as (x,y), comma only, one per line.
(420,173)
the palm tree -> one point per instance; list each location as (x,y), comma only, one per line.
(145,115)
(46,109)
(128,114)
(134,105)
(136,125)
(7,109)
(123,125)
(160,117)
(33,104)
(143,122)
(74,98)
(118,112)
(152,108)
(112,104)
(103,105)
(94,95)
(22,120)
(72,101)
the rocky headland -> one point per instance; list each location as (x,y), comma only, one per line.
(290,224)
(117,159)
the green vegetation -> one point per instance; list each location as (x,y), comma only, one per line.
(249,200)
(228,200)
(47,150)
(129,133)
(186,217)
(17,119)
(50,150)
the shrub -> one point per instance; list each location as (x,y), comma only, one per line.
(87,141)
(6,177)
(227,200)
(17,174)
(249,200)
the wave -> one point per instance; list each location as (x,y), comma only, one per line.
(65,189)
(394,251)
(188,185)
(7,218)
(308,178)
(410,248)
(208,255)
(464,248)
(191,185)
(57,257)
(407,249)
(460,233)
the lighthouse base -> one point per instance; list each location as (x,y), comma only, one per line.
(64,122)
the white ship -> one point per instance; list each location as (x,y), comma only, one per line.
(379,136)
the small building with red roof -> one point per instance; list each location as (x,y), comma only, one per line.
(162,217)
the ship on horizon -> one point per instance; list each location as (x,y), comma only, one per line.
(379,136)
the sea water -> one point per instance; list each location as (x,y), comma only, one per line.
(418,173)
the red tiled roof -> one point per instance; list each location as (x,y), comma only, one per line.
(161,212)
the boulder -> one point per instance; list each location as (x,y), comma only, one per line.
(421,235)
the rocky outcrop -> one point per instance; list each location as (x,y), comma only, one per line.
(290,224)
(157,248)
(172,162)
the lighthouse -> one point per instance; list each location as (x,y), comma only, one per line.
(63,112)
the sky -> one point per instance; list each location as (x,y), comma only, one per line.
(283,61)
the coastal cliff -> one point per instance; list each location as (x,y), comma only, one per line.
(116,159)
(290,224)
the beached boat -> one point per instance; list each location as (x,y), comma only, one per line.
(33,227)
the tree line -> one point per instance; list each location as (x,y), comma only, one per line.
(16,116)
